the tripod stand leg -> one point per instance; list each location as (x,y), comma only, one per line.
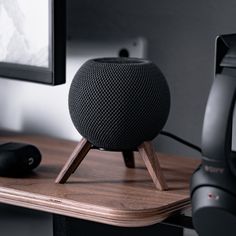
(74,161)
(128,157)
(150,159)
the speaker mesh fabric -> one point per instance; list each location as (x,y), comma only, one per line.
(117,103)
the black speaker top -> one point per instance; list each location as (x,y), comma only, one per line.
(118,103)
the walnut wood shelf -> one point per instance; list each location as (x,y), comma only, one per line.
(102,189)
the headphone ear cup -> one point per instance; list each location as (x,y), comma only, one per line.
(213,211)
(213,201)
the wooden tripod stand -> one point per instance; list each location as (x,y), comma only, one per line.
(146,151)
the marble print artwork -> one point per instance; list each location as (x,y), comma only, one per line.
(24,32)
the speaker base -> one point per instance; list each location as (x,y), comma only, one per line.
(145,150)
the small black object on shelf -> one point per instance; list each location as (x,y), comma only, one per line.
(18,159)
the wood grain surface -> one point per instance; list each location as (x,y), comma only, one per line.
(102,189)
(150,158)
(74,161)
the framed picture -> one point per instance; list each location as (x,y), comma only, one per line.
(33,40)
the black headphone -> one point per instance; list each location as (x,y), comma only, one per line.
(213,184)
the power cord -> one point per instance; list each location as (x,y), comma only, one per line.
(178,139)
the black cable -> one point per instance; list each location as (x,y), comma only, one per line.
(178,139)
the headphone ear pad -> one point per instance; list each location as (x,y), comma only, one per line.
(213,211)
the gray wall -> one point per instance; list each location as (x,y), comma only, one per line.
(180,39)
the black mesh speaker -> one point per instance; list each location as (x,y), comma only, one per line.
(118,103)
